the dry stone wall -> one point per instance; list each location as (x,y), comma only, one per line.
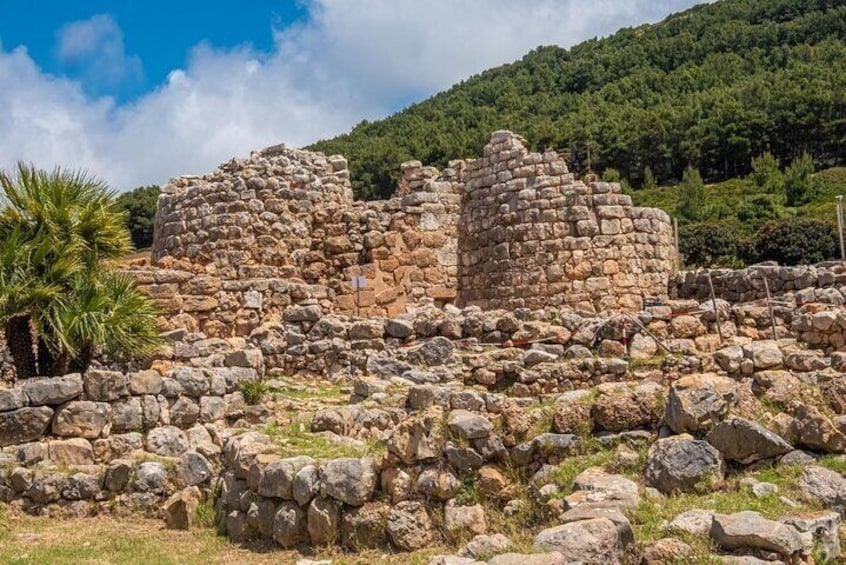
(510,229)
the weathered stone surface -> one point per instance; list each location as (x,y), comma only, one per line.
(593,541)
(828,486)
(364,527)
(151,476)
(323,520)
(193,469)
(105,386)
(145,382)
(749,530)
(694,522)
(53,390)
(683,464)
(468,425)
(82,418)
(24,424)
(290,526)
(666,551)
(738,439)
(74,451)
(824,529)
(619,407)
(697,403)
(482,546)
(168,441)
(463,519)
(180,509)
(352,481)
(409,526)
(12,399)
(764,354)
(278,477)
(419,437)
(594,485)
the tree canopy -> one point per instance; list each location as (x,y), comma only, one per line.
(712,87)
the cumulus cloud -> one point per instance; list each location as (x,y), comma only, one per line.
(337,67)
(94,48)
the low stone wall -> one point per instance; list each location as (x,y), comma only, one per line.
(807,283)
(83,442)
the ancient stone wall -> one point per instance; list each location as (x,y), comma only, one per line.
(510,229)
(805,283)
(530,235)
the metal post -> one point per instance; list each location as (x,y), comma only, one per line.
(770,306)
(840,226)
(714,304)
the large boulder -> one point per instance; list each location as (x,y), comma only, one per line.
(82,418)
(697,403)
(764,354)
(745,441)
(468,425)
(827,486)
(683,464)
(53,390)
(105,386)
(811,428)
(419,437)
(409,526)
(364,527)
(594,485)
(290,527)
(24,424)
(277,478)
(167,441)
(749,531)
(352,481)
(620,407)
(596,540)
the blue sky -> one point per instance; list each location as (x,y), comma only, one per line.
(159,33)
(139,91)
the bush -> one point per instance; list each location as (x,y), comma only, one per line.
(711,245)
(766,174)
(253,391)
(759,208)
(140,207)
(796,241)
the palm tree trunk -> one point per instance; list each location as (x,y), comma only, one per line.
(44,357)
(19,340)
(81,362)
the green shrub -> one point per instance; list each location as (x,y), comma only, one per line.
(796,241)
(710,245)
(799,185)
(140,207)
(253,391)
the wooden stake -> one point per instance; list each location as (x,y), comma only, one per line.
(714,304)
(770,306)
(676,242)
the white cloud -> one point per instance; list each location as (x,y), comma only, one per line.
(95,48)
(341,66)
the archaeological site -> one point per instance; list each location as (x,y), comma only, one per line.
(500,364)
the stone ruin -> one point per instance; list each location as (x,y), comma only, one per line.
(502,341)
(512,229)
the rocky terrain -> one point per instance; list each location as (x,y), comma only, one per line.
(497,437)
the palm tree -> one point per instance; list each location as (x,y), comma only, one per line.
(59,300)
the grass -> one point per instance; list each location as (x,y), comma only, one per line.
(324,392)
(650,516)
(294,439)
(38,540)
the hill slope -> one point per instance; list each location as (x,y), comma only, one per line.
(712,86)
